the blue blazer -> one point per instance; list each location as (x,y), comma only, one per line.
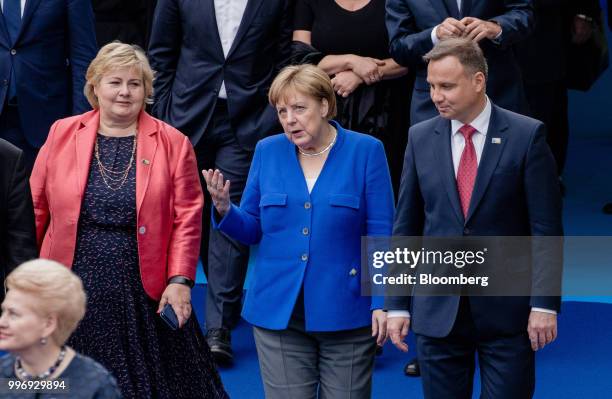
(312,240)
(50,56)
(186,52)
(410,22)
(516,193)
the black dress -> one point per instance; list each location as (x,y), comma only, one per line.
(382,109)
(121,328)
(84,379)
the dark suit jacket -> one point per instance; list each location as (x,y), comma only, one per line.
(50,57)
(126,21)
(543,57)
(516,193)
(17,231)
(410,23)
(186,52)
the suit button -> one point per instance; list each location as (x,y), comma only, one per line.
(467,231)
(353,272)
(142,230)
(5,82)
(305,231)
(13,51)
(304,257)
(307,205)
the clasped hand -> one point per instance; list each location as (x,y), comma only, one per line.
(469,27)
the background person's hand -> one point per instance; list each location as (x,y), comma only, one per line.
(367,68)
(542,329)
(582,30)
(477,29)
(379,326)
(397,330)
(218,189)
(346,82)
(450,27)
(179,296)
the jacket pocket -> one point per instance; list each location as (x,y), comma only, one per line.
(345,200)
(273,199)
(273,212)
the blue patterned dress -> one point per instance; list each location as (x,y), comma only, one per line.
(121,328)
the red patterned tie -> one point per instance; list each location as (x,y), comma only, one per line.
(468,166)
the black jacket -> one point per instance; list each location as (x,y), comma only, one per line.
(17,230)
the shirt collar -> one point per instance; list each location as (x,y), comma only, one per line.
(480,123)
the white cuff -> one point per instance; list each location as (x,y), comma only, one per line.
(434,36)
(538,310)
(398,313)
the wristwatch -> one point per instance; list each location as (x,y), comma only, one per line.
(181,280)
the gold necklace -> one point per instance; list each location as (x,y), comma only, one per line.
(114,179)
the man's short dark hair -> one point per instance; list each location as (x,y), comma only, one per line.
(466,51)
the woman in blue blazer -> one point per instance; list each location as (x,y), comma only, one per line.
(311,194)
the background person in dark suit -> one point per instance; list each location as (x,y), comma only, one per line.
(415,26)
(544,58)
(17,230)
(476,169)
(45,48)
(215,60)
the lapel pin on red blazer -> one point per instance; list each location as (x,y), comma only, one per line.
(146,161)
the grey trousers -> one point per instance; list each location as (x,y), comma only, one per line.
(296,364)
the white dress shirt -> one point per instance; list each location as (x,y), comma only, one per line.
(310,182)
(22,5)
(229,15)
(481,124)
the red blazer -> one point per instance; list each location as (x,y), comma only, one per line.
(169,197)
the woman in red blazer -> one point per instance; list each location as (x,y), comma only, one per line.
(117,198)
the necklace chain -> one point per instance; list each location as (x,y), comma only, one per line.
(323,151)
(24,375)
(114,179)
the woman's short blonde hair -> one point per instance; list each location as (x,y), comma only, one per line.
(118,55)
(57,290)
(306,79)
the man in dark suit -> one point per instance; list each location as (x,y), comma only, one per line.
(17,230)
(45,49)
(215,60)
(476,170)
(416,25)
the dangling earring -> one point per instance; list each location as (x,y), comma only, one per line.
(43,341)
